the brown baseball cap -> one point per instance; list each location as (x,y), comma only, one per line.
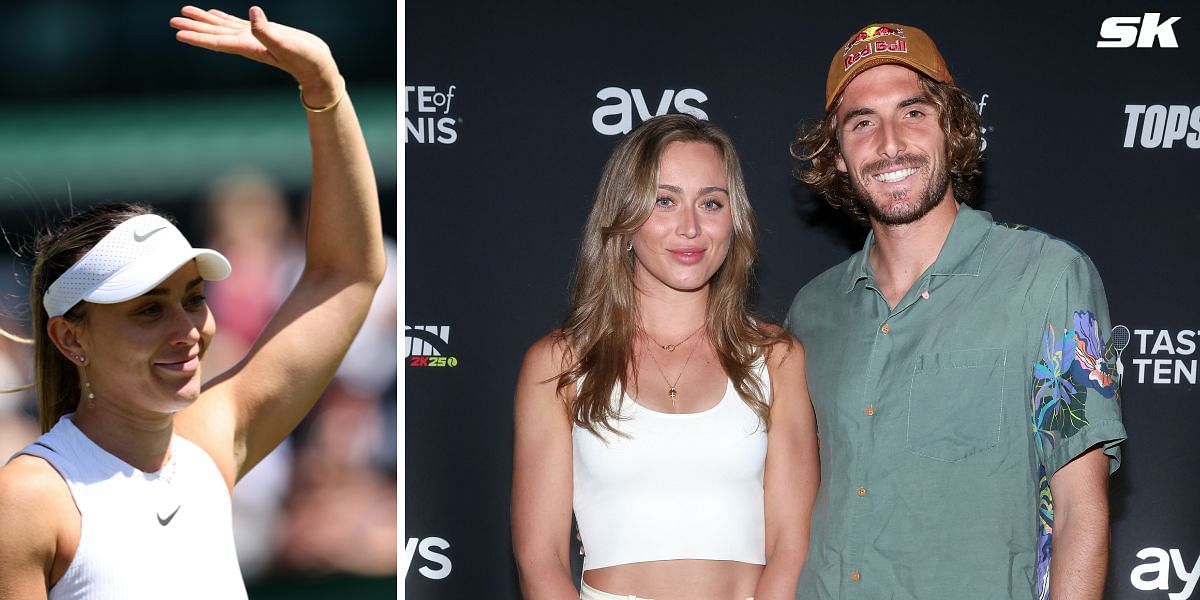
(881,44)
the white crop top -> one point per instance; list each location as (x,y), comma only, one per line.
(681,486)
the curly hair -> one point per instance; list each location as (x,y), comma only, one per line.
(817,147)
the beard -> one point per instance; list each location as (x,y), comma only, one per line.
(899,212)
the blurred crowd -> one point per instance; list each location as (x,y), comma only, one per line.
(325,501)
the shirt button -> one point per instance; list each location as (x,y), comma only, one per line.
(855,576)
(870,410)
(885,329)
(862,491)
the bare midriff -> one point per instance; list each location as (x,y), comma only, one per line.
(678,579)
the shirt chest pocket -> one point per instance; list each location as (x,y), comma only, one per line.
(956,403)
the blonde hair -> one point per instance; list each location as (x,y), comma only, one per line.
(599,328)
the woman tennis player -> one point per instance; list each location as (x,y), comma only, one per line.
(127,493)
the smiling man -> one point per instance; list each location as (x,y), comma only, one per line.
(960,369)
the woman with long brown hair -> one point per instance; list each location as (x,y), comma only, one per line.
(670,421)
(127,493)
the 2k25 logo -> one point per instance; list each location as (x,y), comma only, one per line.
(1122,32)
(429,346)
(617,117)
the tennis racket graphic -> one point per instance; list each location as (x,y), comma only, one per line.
(1120,339)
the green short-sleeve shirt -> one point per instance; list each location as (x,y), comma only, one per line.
(941,420)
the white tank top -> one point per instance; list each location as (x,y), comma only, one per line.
(144,535)
(681,486)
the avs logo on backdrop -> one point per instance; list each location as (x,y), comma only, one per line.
(1162,126)
(427,117)
(1160,569)
(1147,31)
(433,553)
(616,115)
(1156,356)
(429,346)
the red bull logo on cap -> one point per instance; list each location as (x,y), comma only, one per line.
(897,46)
(872,32)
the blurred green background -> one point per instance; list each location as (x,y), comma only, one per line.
(98,100)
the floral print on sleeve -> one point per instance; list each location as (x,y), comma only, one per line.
(1069,365)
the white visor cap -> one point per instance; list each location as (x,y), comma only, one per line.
(128,262)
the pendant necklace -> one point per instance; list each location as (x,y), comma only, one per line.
(671,386)
(671,347)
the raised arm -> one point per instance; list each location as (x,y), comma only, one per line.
(249,410)
(542,479)
(792,473)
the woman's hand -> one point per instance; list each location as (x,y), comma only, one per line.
(302,55)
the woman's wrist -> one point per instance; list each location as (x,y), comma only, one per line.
(322,88)
(328,96)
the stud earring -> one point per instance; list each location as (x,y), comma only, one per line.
(629,248)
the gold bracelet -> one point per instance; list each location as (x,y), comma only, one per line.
(322,109)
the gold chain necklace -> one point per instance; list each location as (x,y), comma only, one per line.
(671,386)
(671,347)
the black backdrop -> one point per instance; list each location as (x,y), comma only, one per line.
(1098,145)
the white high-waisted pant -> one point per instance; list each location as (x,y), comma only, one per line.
(587,592)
